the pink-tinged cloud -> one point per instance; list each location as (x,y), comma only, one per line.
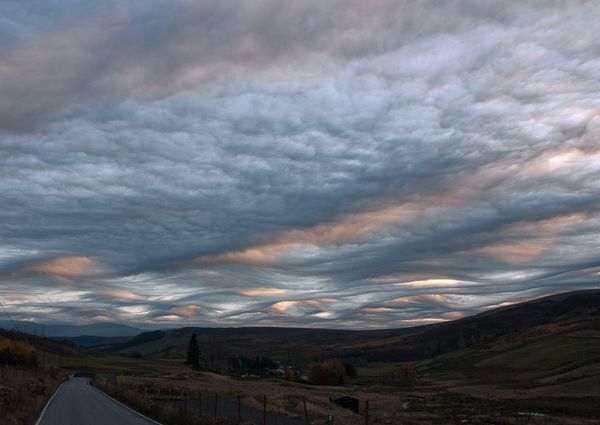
(66,267)
(121,294)
(103,318)
(262,291)
(353,227)
(376,310)
(564,160)
(419,280)
(185,310)
(300,307)
(347,229)
(421,321)
(437,299)
(523,242)
(516,252)
(168,317)
(98,54)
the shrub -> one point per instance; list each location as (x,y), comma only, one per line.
(328,372)
(350,370)
(289,374)
(16,353)
(406,374)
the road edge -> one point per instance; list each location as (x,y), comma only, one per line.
(124,405)
(48,403)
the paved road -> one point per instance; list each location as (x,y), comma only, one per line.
(78,403)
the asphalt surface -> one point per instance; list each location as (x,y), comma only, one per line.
(79,403)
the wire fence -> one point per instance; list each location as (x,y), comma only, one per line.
(229,407)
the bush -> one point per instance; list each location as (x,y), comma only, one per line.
(289,374)
(406,374)
(16,353)
(328,372)
(350,370)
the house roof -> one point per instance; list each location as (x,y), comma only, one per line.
(336,397)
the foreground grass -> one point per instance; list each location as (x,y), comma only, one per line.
(25,392)
(425,403)
(164,414)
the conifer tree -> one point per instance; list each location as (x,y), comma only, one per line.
(193,353)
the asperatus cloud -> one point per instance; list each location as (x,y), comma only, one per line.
(300,163)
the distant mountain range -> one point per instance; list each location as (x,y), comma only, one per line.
(70,331)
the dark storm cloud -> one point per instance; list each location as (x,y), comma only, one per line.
(350,164)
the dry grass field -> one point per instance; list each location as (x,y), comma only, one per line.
(24,392)
(429,402)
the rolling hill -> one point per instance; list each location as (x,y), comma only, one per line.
(40,344)
(67,331)
(566,316)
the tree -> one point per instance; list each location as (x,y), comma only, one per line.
(328,372)
(14,352)
(350,370)
(193,353)
(290,375)
(406,374)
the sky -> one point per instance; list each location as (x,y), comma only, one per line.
(344,163)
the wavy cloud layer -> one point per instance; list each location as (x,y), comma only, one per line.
(340,164)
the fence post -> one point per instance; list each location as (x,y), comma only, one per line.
(239,397)
(216,403)
(305,411)
(366,412)
(264,409)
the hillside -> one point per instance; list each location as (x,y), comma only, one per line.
(66,330)
(40,344)
(562,315)
(91,341)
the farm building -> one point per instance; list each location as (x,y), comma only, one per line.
(345,401)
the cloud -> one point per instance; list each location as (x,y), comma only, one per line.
(71,266)
(203,163)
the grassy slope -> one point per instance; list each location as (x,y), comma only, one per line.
(551,368)
(535,358)
(554,374)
